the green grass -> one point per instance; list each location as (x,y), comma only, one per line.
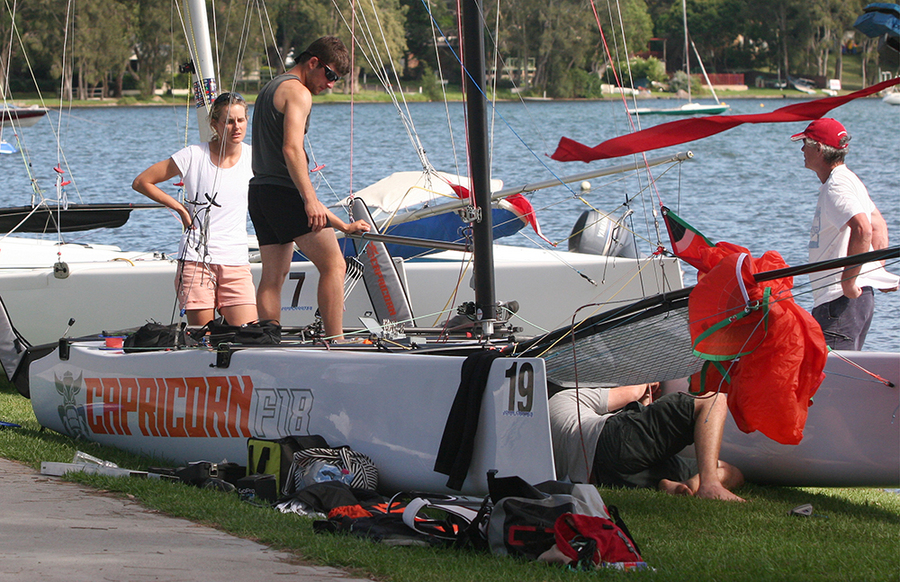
(52,101)
(855,534)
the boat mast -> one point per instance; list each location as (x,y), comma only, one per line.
(476,107)
(205,88)
(705,76)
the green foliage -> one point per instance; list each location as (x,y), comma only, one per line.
(431,86)
(680,81)
(554,38)
(650,68)
(98,47)
(547,35)
(713,26)
(300,23)
(579,83)
(419,30)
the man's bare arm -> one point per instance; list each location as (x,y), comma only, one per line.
(879,231)
(860,241)
(347,228)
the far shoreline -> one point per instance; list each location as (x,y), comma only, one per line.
(341,98)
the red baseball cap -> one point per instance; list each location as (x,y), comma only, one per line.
(826,130)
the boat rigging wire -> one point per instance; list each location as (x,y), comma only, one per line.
(877,379)
(13,32)
(622,93)
(369,36)
(516,134)
(379,68)
(440,77)
(37,197)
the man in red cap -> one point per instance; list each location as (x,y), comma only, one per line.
(846,223)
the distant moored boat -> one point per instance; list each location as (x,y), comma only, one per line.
(12,116)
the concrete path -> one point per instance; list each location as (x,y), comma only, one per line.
(55,530)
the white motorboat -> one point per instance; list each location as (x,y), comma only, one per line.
(45,284)
(12,116)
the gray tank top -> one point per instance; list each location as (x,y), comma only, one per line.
(268,138)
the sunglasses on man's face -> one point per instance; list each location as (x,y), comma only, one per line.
(329,74)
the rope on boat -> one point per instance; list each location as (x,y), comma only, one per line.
(880,379)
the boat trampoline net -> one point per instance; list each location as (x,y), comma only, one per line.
(646,341)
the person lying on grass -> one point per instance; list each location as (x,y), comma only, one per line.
(624,437)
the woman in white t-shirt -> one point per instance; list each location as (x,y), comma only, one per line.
(214,267)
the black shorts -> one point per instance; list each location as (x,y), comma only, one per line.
(278,213)
(845,322)
(639,445)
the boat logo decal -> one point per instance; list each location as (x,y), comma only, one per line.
(278,412)
(373,257)
(213,406)
(72,416)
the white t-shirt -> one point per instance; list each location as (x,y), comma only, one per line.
(568,453)
(220,236)
(841,197)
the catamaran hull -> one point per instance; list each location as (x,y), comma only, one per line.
(851,438)
(107,289)
(391,407)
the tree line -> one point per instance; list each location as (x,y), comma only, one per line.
(83,48)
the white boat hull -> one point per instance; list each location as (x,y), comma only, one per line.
(391,407)
(108,289)
(394,406)
(686,109)
(21,116)
(852,434)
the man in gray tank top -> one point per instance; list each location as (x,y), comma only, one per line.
(283,204)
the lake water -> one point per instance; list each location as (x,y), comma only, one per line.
(747,185)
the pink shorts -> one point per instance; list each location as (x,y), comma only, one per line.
(204,286)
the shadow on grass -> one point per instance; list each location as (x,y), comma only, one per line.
(847,502)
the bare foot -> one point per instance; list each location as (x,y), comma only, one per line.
(651,392)
(716,491)
(674,487)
